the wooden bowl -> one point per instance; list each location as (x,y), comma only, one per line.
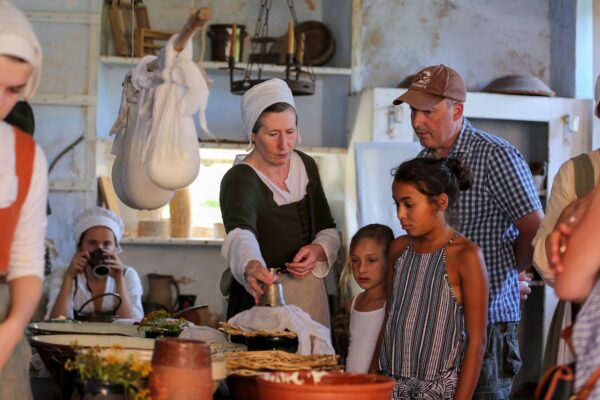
(332,385)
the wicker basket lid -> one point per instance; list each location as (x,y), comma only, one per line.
(520,84)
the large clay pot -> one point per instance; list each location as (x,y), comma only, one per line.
(181,370)
(332,386)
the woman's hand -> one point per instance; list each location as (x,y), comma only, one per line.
(305,260)
(256,276)
(79,261)
(114,262)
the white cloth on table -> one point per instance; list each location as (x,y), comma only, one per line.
(203,333)
(27,251)
(81,292)
(313,338)
(240,245)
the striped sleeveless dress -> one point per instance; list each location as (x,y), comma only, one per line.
(424,338)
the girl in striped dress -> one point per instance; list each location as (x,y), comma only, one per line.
(434,336)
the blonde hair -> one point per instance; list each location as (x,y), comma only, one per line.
(381,234)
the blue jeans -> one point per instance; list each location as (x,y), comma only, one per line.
(501,362)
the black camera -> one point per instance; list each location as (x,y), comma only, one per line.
(98,263)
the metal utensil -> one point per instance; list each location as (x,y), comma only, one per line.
(273,294)
(186,310)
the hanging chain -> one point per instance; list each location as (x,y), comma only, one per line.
(292,11)
(261,30)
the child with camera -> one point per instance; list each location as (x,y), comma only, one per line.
(96,274)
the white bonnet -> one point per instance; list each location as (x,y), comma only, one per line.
(262,96)
(18,39)
(597,95)
(98,216)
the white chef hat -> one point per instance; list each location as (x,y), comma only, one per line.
(261,96)
(18,39)
(597,95)
(98,216)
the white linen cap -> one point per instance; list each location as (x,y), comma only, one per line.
(18,39)
(98,216)
(597,95)
(261,96)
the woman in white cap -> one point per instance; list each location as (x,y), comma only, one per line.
(275,211)
(23,194)
(71,287)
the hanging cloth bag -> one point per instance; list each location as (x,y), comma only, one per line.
(173,159)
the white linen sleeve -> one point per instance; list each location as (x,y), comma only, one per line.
(329,239)
(239,248)
(27,251)
(134,291)
(54,283)
(562,194)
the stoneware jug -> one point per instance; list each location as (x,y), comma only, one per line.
(160,291)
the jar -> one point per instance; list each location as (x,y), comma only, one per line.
(181,370)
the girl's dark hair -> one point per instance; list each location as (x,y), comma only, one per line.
(382,234)
(273,108)
(434,176)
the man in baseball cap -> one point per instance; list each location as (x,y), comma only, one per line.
(501,213)
(432,85)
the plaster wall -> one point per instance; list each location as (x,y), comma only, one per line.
(483,40)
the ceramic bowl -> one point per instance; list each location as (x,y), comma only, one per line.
(84,328)
(303,385)
(283,343)
(54,350)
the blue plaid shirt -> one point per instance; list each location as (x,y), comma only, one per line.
(503,191)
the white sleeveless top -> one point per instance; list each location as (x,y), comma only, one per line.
(364,331)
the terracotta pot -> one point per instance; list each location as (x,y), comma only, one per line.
(242,387)
(181,369)
(332,386)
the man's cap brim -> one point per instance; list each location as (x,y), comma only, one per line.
(418,99)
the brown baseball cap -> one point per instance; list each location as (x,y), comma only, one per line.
(432,85)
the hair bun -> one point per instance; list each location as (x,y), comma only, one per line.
(461,172)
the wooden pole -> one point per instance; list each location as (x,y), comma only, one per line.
(194,22)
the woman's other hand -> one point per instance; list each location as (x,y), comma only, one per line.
(256,276)
(78,263)
(114,262)
(305,260)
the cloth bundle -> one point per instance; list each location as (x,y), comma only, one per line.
(156,144)
(313,338)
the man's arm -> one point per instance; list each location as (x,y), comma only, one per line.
(528,226)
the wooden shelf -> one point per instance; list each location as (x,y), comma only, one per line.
(215,242)
(214,66)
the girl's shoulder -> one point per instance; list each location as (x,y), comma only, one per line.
(398,246)
(465,252)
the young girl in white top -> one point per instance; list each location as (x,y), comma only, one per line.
(367,261)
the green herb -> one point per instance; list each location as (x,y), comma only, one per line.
(161,321)
(106,365)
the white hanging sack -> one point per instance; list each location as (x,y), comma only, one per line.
(129,176)
(173,160)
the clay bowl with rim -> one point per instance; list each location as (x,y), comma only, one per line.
(84,328)
(55,350)
(324,386)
